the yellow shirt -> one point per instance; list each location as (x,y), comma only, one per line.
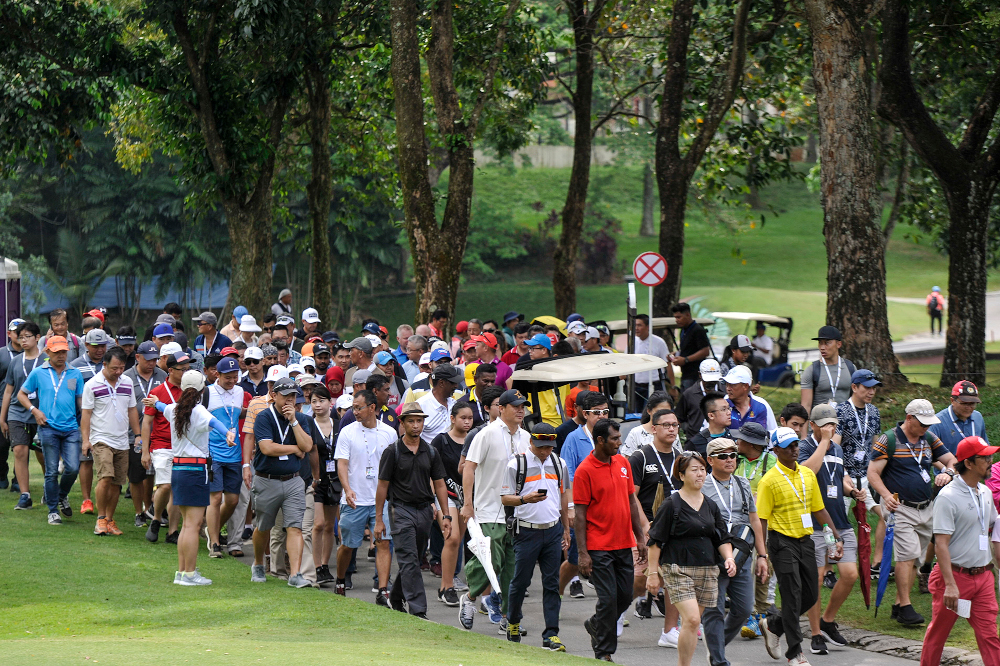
(547,405)
(781,506)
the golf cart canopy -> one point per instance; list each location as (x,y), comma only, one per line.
(621,325)
(753,316)
(546,373)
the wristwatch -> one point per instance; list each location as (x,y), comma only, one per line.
(522,500)
(446,517)
(950,472)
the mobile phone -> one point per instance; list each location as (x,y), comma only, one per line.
(543,491)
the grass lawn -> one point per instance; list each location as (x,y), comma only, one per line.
(73,597)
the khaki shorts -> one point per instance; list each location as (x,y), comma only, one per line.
(110,463)
(913,532)
(824,553)
(163,466)
(699,583)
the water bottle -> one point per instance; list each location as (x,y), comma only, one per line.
(828,535)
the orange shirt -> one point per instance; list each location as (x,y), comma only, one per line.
(571,400)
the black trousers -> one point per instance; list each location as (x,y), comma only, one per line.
(612,578)
(794,563)
(4,453)
(410,530)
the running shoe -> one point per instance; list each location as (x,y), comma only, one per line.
(64,506)
(54,519)
(576,590)
(113,528)
(553,643)
(87,507)
(493,606)
(831,633)
(466,611)
(101,527)
(24,502)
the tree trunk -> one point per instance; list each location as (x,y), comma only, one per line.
(564,258)
(249,227)
(673,184)
(648,227)
(319,192)
(855,301)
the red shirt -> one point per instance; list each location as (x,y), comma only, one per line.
(159,436)
(510,358)
(605,489)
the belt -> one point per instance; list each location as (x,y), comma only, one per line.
(536,526)
(916,505)
(973,571)
(414,505)
(277,477)
(190,461)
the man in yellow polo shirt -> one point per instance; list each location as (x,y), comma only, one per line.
(789,503)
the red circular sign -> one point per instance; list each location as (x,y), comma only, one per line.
(650,269)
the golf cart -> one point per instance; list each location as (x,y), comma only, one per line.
(780,371)
(662,326)
(561,373)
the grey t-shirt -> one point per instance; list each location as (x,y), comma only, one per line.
(141,388)
(6,354)
(87,367)
(720,493)
(18,371)
(956,512)
(838,375)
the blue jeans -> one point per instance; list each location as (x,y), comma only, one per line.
(545,548)
(59,444)
(740,591)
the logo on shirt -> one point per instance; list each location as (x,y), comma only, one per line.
(624,472)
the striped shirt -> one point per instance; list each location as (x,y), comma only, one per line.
(785,495)
(110,404)
(902,471)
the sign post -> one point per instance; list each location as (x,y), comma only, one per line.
(650,269)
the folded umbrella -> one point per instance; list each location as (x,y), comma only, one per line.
(885,569)
(479,545)
(864,552)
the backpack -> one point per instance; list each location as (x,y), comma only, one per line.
(815,374)
(934,303)
(520,476)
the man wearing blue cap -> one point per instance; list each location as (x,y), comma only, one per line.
(232,329)
(935,307)
(162,334)
(227,402)
(145,376)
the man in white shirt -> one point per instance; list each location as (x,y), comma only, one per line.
(359,449)
(485,467)
(108,412)
(763,344)
(648,343)
(437,404)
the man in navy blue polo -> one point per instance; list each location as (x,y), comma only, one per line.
(210,341)
(746,406)
(960,419)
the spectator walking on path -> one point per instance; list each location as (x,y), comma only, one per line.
(16,420)
(936,303)
(694,345)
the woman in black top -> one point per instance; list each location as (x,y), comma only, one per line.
(449,445)
(327,487)
(687,532)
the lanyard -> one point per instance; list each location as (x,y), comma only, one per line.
(833,386)
(170,394)
(753,474)
(729,509)
(34,364)
(826,465)
(112,391)
(231,412)
(980,509)
(277,422)
(663,468)
(802,497)
(862,423)
(55,386)
(149,385)
(364,436)
(919,458)
(953,420)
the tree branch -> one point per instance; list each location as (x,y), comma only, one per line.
(614,108)
(901,182)
(981,120)
(491,68)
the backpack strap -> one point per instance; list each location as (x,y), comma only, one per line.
(522,472)
(558,465)
(815,375)
(890,443)
(675,510)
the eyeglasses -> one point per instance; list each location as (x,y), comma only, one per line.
(726,456)
(725,409)
(251,361)
(672,426)
(598,412)
(489,330)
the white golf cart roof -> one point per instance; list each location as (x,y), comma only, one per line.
(578,368)
(756,316)
(621,325)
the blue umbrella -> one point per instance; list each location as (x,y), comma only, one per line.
(885,568)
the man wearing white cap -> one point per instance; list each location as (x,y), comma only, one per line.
(310,326)
(688,407)
(253,381)
(902,466)
(592,341)
(746,406)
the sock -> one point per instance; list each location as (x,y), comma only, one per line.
(574,579)
(99,517)
(341,581)
(27,493)
(926,567)
(248,526)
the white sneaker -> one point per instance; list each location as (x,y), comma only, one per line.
(195,578)
(54,519)
(668,639)
(620,628)
(798,660)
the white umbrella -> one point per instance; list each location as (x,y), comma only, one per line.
(479,544)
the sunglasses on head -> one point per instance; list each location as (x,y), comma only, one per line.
(725,456)
(545,437)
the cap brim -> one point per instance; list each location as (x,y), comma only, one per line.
(825,421)
(58,348)
(787,443)
(406,415)
(838,339)
(870,383)
(968,398)
(286,391)
(927,420)
(149,356)
(711,376)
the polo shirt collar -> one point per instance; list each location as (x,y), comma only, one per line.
(787,470)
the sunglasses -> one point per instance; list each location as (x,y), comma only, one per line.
(599,412)
(489,330)
(725,456)
(251,361)
(545,437)
(268,329)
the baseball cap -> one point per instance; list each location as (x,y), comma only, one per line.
(974,446)
(249,324)
(207,318)
(239,311)
(176,358)
(165,318)
(576,327)
(439,354)
(371,327)
(784,437)
(513,314)
(147,350)
(923,411)
(710,370)
(311,316)
(411,409)
(592,334)
(373,340)
(513,397)
(539,340)
(276,372)
(307,361)
(330,337)
(14,323)
(305,378)
(97,336)
(487,339)
(425,359)
(935,288)
(170,349)
(344,401)
(163,330)
(866,378)
(255,353)
(965,391)
(229,351)
(739,375)
(720,444)
(752,433)
(58,343)
(383,357)
(553,337)
(269,350)
(307,349)
(126,340)
(828,333)
(462,326)
(284,320)
(286,386)
(448,373)
(741,342)
(823,413)
(295,367)
(363,345)
(227,365)
(576,316)
(542,434)
(440,344)
(192,379)
(469,344)
(361,376)
(97,314)
(320,348)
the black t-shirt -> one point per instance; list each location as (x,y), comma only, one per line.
(563,431)
(450,452)
(700,441)
(410,475)
(266,427)
(688,408)
(696,535)
(693,339)
(326,446)
(647,474)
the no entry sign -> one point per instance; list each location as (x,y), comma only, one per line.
(650,269)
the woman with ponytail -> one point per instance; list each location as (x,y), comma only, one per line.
(190,424)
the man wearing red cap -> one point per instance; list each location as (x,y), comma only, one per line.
(486,348)
(961,583)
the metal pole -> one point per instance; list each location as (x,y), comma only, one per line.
(649,390)
(631,310)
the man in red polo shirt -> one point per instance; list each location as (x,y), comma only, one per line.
(609,522)
(156,447)
(486,348)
